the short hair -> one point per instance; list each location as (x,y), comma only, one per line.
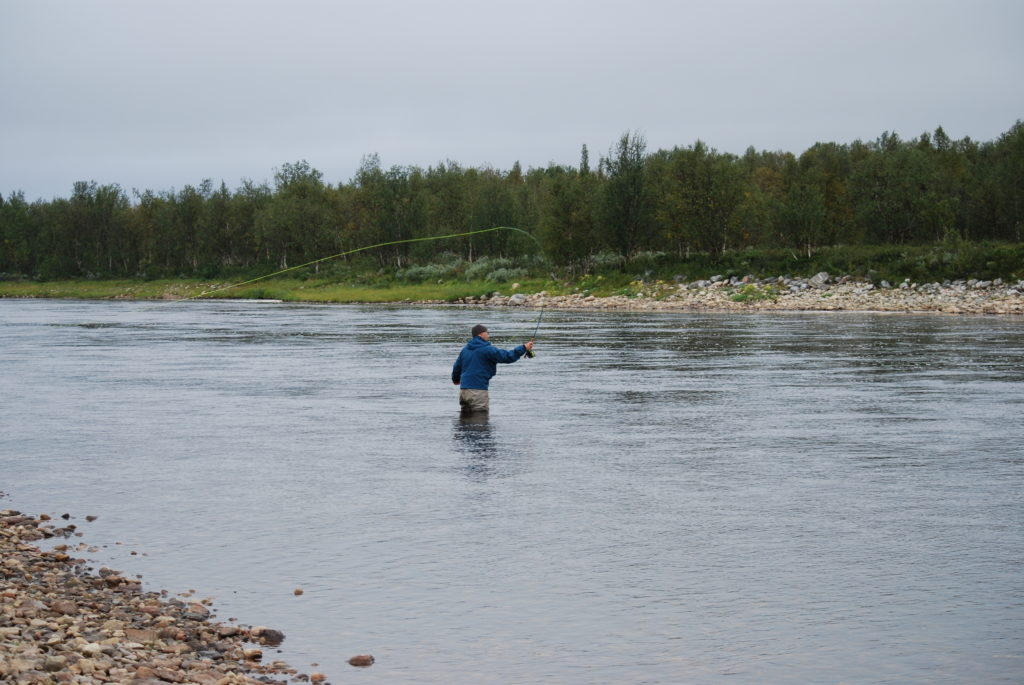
(478,329)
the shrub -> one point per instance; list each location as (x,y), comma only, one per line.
(505,274)
(428,272)
(607,260)
(482,267)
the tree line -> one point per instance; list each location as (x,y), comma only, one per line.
(631,201)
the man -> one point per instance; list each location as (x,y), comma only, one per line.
(476,365)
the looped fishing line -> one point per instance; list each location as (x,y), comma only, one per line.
(359,249)
(540,247)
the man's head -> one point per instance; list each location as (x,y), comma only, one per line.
(480,330)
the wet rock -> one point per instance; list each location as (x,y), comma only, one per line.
(268,636)
(196,612)
(361,660)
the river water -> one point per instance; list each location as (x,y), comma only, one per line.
(656,498)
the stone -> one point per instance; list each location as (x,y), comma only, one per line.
(19,665)
(169,676)
(819,280)
(172,633)
(196,612)
(53,664)
(362,660)
(64,606)
(140,636)
(268,636)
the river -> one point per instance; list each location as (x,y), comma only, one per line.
(656,498)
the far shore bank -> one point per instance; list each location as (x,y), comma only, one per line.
(60,621)
(822,292)
(819,293)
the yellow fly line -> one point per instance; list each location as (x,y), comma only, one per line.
(360,249)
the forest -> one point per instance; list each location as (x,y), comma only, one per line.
(627,203)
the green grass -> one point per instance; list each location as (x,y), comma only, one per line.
(104,289)
(754,293)
(289,290)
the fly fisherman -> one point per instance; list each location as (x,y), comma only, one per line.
(476,366)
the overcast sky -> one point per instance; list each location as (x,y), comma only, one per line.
(159,94)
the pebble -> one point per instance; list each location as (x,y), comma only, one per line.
(61,622)
(822,292)
(362,660)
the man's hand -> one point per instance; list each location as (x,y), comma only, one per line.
(529,346)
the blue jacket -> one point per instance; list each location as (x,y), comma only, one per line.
(478,362)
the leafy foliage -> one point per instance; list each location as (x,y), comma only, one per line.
(861,207)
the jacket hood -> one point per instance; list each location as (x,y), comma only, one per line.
(478,342)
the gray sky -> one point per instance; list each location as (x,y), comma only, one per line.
(159,94)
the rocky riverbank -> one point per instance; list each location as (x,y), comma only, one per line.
(822,292)
(61,622)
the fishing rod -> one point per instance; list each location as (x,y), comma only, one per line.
(530,353)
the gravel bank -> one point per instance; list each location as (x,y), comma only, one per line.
(60,622)
(822,292)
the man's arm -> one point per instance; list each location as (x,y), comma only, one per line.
(508,356)
(457,370)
